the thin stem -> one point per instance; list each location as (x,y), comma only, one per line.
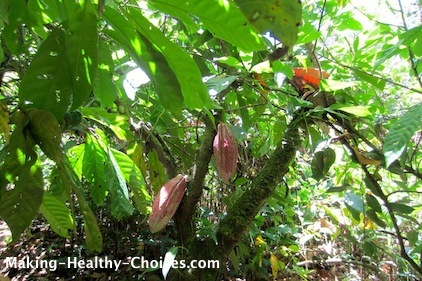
(411,55)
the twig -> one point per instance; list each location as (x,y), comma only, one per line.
(411,55)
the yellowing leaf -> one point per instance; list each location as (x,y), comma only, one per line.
(275,266)
(363,159)
(4,121)
(259,241)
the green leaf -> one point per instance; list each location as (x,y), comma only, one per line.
(62,72)
(355,204)
(401,208)
(194,91)
(281,18)
(45,130)
(117,123)
(322,162)
(307,33)
(120,203)
(148,58)
(373,216)
(94,168)
(374,81)
(134,179)
(369,248)
(19,203)
(219,84)
(57,215)
(82,51)
(46,83)
(359,110)
(413,237)
(104,88)
(334,85)
(94,239)
(372,202)
(221,18)
(399,135)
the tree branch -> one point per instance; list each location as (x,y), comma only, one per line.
(184,215)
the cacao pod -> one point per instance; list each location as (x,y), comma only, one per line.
(167,202)
(225,152)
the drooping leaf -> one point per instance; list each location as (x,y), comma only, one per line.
(82,51)
(194,91)
(21,198)
(135,181)
(402,208)
(104,88)
(62,72)
(322,162)
(57,215)
(94,168)
(94,238)
(148,58)
(281,18)
(45,130)
(373,215)
(120,203)
(372,202)
(221,18)
(399,135)
(46,82)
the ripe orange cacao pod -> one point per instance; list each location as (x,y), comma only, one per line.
(225,152)
(167,202)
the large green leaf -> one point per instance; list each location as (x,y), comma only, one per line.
(322,162)
(62,72)
(117,123)
(45,130)
(82,51)
(94,168)
(134,179)
(20,201)
(94,239)
(57,215)
(104,88)
(281,18)
(120,203)
(399,135)
(194,91)
(221,18)
(148,58)
(46,82)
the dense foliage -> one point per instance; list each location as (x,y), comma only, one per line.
(102,102)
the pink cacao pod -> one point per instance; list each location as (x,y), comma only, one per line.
(225,152)
(167,202)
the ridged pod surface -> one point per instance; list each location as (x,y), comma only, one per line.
(225,152)
(167,202)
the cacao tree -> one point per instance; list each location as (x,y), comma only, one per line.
(252,118)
